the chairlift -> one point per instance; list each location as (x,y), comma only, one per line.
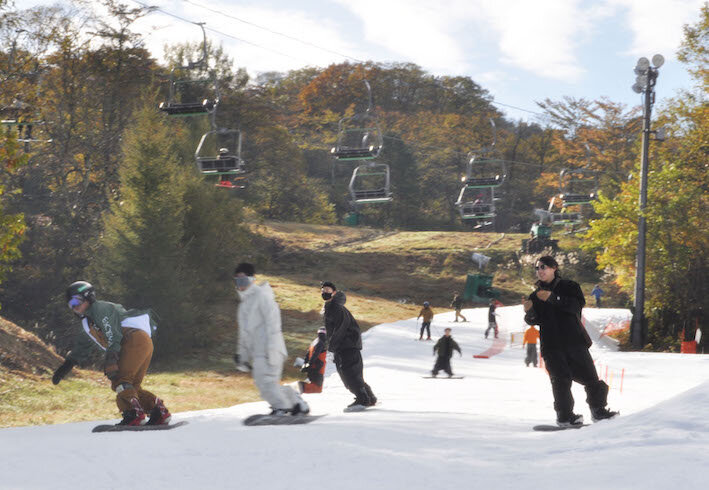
(19,115)
(359,136)
(479,205)
(578,186)
(566,217)
(482,171)
(370,184)
(175,105)
(219,153)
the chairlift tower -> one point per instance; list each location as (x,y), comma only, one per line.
(645,84)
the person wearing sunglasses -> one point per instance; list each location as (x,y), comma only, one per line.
(556,306)
(125,337)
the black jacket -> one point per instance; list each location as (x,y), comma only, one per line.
(457,302)
(342,329)
(491,314)
(445,347)
(559,318)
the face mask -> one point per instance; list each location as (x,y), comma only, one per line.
(243,281)
(326,296)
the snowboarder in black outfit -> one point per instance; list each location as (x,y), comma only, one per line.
(345,342)
(556,307)
(491,320)
(445,347)
(457,303)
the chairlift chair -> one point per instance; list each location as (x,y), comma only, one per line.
(476,207)
(370,184)
(359,136)
(578,186)
(18,115)
(200,106)
(219,153)
(484,172)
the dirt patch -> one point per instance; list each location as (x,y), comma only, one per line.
(22,352)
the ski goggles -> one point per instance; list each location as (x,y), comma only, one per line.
(75,301)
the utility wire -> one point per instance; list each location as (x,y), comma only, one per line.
(158,9)
(293,38)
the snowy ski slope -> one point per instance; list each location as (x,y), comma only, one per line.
(425,434)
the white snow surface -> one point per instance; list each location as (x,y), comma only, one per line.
(474,432)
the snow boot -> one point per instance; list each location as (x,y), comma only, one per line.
(602,413)
(280,412)
(159,415)
(571,420)
(300,408)
(135,415)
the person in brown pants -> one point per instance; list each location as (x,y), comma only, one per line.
(125,336)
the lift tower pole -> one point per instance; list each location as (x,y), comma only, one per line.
(645,83)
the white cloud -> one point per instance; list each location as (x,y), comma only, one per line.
(250,46)
(656,25)
(420,31)
(538,36)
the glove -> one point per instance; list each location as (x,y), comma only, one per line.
(110,365)
(62,371)
(244,367)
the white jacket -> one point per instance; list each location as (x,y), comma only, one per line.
(259,321)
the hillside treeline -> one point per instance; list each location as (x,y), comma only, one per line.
(110,191)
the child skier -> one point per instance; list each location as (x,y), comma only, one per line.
(125,335)
(314,364)
(427,314)
(445,347)
(261,349)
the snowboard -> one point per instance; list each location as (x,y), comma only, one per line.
(136,428)
(443,377)
(266,419)
(554,428)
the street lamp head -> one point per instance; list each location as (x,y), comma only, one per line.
(637,88)
(658,60)
(642,64)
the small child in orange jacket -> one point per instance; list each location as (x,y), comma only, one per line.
(531,336)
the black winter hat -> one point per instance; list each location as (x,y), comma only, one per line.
(328,284)
(246,268)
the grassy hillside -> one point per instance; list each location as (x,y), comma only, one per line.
(386,275)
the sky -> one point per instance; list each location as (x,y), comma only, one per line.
(520,51)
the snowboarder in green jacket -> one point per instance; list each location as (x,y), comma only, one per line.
(125,336)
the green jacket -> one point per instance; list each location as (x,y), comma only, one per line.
(102,327)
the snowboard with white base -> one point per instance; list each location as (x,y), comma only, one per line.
(136,428)
(268,419)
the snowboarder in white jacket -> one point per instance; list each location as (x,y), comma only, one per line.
(261,349)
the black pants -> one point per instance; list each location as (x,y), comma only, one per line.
(491,326)
(444,364)
(349,367)
(531,355)
(427,326)
(565,366)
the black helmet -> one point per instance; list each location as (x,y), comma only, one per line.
(83,289)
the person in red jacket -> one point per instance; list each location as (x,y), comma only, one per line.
(314,364)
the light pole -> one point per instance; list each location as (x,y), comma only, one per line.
(644,83)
